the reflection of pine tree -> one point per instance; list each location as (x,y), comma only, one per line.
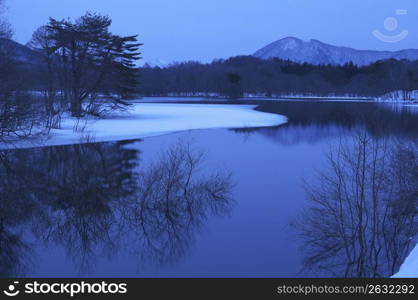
(90,199)
(84,184)
(74,191)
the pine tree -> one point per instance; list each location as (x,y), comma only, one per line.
(92,62)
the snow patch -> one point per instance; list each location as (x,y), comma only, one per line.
(289,44)
(151,119)
(409,267)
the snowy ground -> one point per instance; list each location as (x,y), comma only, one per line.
(409,267)
(150,119)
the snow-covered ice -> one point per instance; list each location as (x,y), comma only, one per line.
(409,268)
(151,119)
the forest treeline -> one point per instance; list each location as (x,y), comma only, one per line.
(248,75)
(79,68)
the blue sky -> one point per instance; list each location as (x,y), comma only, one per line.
(178,30)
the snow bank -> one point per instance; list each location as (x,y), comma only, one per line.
(400,96)
(150,119)
(409,267)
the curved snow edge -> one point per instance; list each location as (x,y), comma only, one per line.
(152,119)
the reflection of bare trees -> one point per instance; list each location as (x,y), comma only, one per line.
(16,209)
(174,201)
(92,199)
(66,194)
(14,253)
(362,219)
(82,186)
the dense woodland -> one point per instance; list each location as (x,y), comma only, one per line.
(242,75)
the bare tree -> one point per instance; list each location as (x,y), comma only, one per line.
(19,116)
(362,220)
(52,82)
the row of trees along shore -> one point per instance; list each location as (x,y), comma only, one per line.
(248,75)
(78,67)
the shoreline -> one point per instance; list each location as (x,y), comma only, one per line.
(153,119)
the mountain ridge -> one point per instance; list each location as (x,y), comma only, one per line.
(319,53)
(21,53)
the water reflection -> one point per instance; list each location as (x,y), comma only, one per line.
(110,200)
(173,202)
(314,122)
(362,217)
(82,186)
(17,209)
(89,199)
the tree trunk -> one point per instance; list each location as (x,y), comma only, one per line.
(76,110)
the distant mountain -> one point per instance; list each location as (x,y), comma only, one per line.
(318,53)
(20,52)
(155,63)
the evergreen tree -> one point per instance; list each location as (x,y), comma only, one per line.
(90,61)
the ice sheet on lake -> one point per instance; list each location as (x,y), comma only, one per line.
(151,119)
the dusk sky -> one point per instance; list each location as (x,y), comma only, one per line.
(208,29)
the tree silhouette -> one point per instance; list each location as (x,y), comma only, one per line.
(89,60)
(363,208)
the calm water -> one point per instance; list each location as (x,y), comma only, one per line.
(198,203)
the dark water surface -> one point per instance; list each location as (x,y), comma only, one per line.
(199,203)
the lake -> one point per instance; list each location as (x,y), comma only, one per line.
(211,203)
